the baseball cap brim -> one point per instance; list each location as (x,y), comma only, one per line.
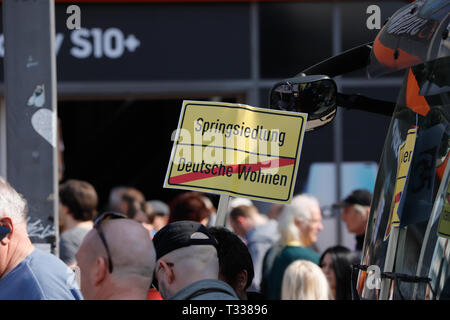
(341,204)
(361,196)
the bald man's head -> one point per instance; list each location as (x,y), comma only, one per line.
(190,264)
(132,255)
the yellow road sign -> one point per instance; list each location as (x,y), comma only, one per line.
(444,220)
(405,155)
(237,150)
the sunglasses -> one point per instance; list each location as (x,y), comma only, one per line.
(154,284)
(97,226)
(4,231)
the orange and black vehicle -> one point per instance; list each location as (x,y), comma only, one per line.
(406,252)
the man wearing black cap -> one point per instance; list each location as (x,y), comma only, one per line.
(187,266)
(356,209)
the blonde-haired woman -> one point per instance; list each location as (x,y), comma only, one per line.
(304,280)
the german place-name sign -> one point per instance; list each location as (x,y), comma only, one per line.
(237,150)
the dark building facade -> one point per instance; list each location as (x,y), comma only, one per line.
(123,76)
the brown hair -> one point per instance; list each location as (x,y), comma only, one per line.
(242,211)
(188,206)
(81,199)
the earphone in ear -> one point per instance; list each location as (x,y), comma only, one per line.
(4,231)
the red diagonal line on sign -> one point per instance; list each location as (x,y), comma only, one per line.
(397,197)
(192,176)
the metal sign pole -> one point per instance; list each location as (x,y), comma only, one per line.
(30,94)
(389,263)
(222,210)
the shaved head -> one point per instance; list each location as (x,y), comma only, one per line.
(130,247)
(198,256)
(190,264)
(132,255)
(91,247)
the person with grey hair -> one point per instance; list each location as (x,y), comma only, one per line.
(116,259)
(115,197)
(131,201)
(126,200)
(27,273)
(299,226)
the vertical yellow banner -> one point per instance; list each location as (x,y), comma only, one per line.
(444,221)
(405,155)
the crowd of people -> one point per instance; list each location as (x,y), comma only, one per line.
(146,249)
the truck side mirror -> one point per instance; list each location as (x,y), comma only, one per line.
(315,95)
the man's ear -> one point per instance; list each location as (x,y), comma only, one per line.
(7,223)
(101,269)
(242,221)
(241,281)
(123,207)
(298,223)
(168,272)
(367,212)
(64,209)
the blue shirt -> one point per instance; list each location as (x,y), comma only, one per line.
(40,276)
